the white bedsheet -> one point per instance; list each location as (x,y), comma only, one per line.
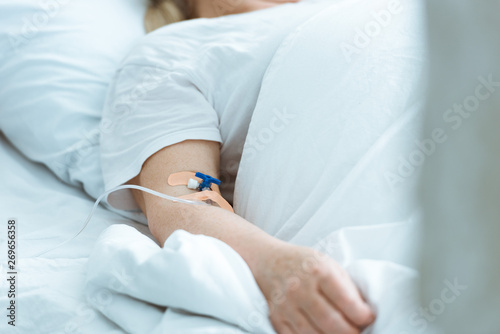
(50,295)
(328,176)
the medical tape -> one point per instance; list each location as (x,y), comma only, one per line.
(211,197)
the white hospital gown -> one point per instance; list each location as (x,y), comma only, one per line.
(195,80)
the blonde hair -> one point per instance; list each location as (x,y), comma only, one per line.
(163,12)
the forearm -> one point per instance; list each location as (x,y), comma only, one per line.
(164,216)
(245,238)
(326,295)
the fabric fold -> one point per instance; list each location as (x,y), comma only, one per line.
(193,273)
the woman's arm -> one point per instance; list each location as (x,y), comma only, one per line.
(327,299)
(164,217)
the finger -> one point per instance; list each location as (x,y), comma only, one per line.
(311,321)
(300,324)
(288,329)
(341,292)
(327,319)
(282,327)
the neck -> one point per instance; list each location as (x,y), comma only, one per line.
(202,8)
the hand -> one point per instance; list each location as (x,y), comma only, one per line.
(308,292)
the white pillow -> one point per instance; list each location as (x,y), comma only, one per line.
(57,58)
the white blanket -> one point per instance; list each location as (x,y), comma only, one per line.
(328,162)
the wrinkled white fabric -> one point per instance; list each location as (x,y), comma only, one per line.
(340,171)
(194,273)
(57,58)
(194,80)
(325,164)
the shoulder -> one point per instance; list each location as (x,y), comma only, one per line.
(166,47)
(179,45)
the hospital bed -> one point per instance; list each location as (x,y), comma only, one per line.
(50,288)
(356,204)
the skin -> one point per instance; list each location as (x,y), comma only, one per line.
(215,8)
(307,292)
